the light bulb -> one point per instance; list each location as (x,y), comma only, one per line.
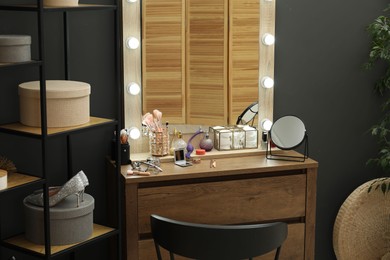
(132,43)
(267,82)
(133,1)
(133,88)
(268,39)
(134,133)
(266,124)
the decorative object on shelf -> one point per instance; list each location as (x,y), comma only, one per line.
(287,133)
(3,179)
(158,134)
(67,103)
(7,164)
(362,228)
(74,186)
(60,3)
(206,143)
(68,224)
(15,48)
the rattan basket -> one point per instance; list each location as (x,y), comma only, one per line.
(362,227)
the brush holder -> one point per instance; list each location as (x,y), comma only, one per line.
(159,143)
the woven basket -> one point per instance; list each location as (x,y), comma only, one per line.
(362,227)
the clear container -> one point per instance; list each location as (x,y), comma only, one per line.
(159,143)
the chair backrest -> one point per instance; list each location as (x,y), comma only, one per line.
(201,241)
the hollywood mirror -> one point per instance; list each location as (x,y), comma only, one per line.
(198,62)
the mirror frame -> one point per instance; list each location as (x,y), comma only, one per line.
(132,62)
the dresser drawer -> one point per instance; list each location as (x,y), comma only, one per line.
(225,202)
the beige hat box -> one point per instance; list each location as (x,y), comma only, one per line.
(67,103)
(15,48)
(3,179)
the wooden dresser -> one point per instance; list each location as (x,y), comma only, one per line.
(244,189)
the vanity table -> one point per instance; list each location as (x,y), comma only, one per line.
(239,190)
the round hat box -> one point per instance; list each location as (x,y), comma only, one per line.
(15,48)
(68,224)
(3,179)
(67,103)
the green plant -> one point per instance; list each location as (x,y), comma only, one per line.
(379,31)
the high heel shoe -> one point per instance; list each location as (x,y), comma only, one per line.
(85,182)
(74,186)
(53,190)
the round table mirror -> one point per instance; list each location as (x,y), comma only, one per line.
(248,115)
(287,132)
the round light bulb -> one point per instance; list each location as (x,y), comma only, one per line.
(133,88)
(134,133)
(267,82)
(268,39)
(132,43)
(266,124)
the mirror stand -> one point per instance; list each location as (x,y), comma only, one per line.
(283,157)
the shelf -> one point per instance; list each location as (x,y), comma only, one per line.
(21,242)
(18,64)
(18,128)
(80,7)
(15,180)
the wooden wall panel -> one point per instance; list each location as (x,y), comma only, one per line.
(243,55)
(163,49)
(206,59)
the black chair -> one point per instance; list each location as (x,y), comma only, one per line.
(223,242)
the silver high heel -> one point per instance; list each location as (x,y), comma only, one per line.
(74,186)
(85,182)
(53,190)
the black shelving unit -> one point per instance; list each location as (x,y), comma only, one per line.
(43,134)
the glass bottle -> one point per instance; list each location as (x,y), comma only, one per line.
(206,143)
(179,142)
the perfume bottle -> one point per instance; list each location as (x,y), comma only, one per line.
(179,142)
(206,143)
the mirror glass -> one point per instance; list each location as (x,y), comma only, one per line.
(191,84)
(288,132)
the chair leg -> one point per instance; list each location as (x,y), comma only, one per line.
(158,251)
(277,253)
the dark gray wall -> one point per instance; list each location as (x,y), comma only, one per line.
(320,49)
